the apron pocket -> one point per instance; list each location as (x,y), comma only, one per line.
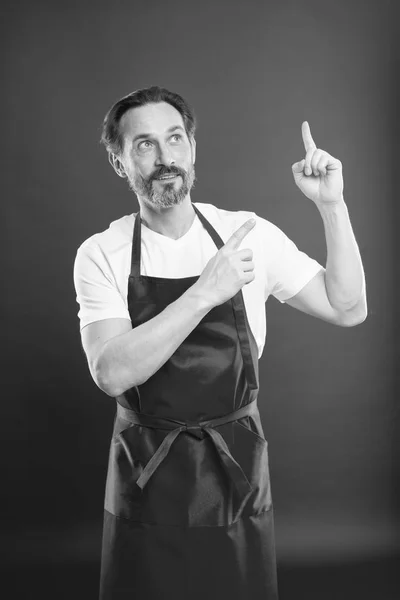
(250,450)
(123,496)
(164,498)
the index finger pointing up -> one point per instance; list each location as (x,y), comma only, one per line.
(237,236)
(307,137)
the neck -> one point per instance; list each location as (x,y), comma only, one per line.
(173,221)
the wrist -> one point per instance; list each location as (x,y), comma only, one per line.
(333,208)
(201,300)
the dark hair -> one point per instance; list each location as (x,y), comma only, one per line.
(111,136)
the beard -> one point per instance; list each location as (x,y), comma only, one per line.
(167,194)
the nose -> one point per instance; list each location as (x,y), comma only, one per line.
(164,156)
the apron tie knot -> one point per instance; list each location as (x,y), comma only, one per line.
(198,429)
(195,429)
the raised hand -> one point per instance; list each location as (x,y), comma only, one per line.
(318,175)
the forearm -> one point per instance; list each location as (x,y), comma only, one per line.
(131,358)
(344,276)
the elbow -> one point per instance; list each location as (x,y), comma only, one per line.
(103,377)
(351,318)
(354,315)
(110,378)
(352,321)
(104,383)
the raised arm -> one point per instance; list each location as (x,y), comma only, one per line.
(337,295)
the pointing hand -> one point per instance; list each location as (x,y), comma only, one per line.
(229,269)
(318,175)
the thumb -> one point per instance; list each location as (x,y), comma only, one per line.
(298,166)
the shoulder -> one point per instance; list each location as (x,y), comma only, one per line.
(224,221)
(222,216)
(113,239)
(227,221)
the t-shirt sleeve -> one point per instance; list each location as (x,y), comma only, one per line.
(288,268)
(96,291)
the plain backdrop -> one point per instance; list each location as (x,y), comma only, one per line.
(253,71)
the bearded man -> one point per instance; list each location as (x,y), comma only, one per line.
(172,318)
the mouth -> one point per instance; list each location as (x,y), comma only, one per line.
(167,177)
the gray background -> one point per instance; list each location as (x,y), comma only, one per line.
(253,72)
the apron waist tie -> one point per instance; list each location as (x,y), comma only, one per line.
(231,466)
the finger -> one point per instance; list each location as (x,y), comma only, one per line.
(245,254)
(236,238)
(248,266)
(321,166)
(315,160)
(298,166)
(307,137)
(333,163)
(307,161)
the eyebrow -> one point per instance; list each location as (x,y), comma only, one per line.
(149,135)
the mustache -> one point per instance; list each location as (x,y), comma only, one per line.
(168,171)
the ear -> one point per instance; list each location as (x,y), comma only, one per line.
(116,164)
(193,146)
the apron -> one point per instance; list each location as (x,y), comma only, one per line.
(188,511)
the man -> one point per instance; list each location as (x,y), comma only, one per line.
(173,323)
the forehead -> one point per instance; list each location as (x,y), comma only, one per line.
(150,119)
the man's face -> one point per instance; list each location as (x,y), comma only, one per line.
(156,147)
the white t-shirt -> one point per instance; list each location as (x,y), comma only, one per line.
(103,261)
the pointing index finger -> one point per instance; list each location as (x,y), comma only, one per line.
(307,137)
(236,238)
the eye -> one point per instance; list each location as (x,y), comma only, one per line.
(176,137)
(145,145)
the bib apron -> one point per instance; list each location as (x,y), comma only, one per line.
(188,510)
